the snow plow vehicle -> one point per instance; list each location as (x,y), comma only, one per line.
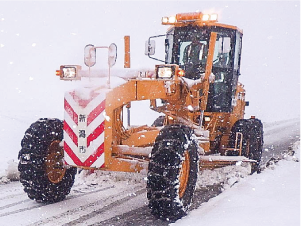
(202,125)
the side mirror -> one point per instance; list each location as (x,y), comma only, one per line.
(166,45)
(90,55)
(112,55)
(150,47)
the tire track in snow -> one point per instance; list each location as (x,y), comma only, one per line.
(12,196)
(83,218)
(40,205)
(110,206)
(14,204)
(143,216)
(10,189)
(82,208)
(22,193)
(20,210)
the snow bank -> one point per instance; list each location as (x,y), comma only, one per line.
(11,173)
(226,176)
(269,198)
(87,177)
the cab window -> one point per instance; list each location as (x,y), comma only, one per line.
(222,50)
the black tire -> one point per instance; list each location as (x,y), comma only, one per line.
(168,191)
(34,162)
(252,143)
(256,142)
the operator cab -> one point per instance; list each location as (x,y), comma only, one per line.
(187,45)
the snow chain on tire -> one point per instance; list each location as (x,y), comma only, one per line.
(172,172)
(252,144)
(41,183)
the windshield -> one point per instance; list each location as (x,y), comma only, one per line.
(193,52)
(192,49)
(191,46)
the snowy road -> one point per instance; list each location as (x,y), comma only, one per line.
(278,137)
(107,198)
(86,204)
(123,203)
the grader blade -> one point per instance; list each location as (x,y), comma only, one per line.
(212,162)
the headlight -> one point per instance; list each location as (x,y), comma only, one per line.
(207,119)
(69,72)
(165,71)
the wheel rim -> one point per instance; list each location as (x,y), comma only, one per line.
(55,169)
(184,174)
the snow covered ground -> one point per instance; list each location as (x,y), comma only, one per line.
(269,198)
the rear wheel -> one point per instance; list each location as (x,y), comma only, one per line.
(252,143)
(42,172)
(172,172)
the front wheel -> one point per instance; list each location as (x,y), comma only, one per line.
(172,172)
(42,171)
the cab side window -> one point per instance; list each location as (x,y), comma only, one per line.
(237,52)
(222,52)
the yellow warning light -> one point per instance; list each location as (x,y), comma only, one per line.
(213,17)
(172,19)
(189,17)
(169,20)
(164,20)
(206,17)
(209,17)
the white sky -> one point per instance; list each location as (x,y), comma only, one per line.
(37,37)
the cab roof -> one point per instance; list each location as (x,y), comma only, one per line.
(196,19)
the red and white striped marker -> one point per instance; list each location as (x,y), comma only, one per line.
(84,129)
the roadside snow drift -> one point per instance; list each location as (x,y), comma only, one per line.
(269,198)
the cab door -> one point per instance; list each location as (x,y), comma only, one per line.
(222,91)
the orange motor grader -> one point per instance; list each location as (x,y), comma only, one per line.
(202,125)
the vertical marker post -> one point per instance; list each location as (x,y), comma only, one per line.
(127,52)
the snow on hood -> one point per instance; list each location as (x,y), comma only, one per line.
(191,82)
(125,73)
(100,79)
